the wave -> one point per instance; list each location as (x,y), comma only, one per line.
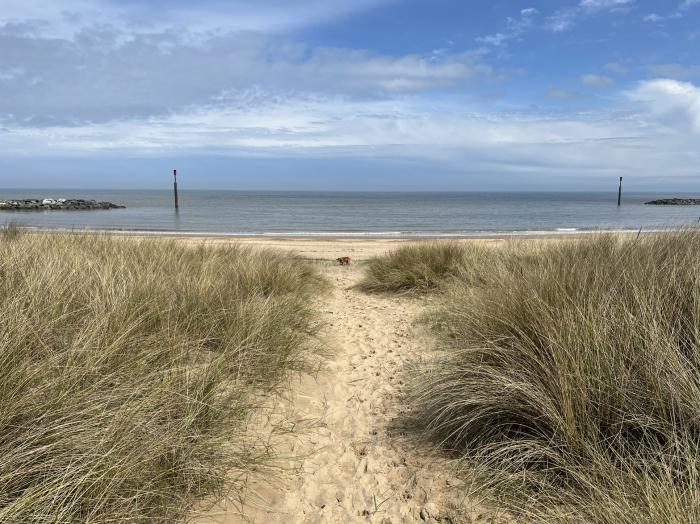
(342,234)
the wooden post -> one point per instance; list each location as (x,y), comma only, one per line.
(619,194)
(177,203)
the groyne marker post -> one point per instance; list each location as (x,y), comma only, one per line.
(177,203)
(619,194)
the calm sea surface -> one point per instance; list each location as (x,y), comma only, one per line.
(356,214)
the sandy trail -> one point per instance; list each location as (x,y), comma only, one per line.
(349,466)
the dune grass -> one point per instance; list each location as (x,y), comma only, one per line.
(10,231)
(567,379)
(128,370)
(421,267)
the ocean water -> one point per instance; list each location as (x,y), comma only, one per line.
(385,214)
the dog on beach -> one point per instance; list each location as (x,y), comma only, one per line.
(344,261)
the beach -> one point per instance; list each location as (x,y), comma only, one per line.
(327,249)
(345,462)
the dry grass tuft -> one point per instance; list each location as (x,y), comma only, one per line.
(421,267)
(568,378)
(128,369)
(10,231)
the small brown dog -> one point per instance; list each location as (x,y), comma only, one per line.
(344,261)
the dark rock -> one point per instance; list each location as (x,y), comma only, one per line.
(675,202)
(55,204)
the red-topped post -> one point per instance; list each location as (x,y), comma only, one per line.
(177,204)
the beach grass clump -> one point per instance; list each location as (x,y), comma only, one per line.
(422,267)
(10,231)
(129,369)
(568,379)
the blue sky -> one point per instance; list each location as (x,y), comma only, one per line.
(362,94)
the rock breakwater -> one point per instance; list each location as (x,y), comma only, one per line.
(43,204)
(675,202)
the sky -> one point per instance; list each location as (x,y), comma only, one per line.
(437,95)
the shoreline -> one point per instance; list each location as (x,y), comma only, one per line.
(326,249)
(344,235)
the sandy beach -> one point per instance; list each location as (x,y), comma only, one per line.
(345,461)
(327,249)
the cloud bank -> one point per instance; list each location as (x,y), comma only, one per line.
(92,78)
(100,75)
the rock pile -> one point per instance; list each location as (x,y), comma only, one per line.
(33,204)
(675,202)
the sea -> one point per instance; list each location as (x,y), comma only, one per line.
(355,214)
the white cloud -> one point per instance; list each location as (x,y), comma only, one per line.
(597,81)
(447,135)
(89,80)
(679,12)
(672,103)
(604,4)
(566,18)
(515,28)
(68,17)
(495,39)
(256,119)
(402,74)
(562,20)
(103,74)
(11,73)
(648,137)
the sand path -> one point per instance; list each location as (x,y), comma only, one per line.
(348,464)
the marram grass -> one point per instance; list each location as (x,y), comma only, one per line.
(128,369)
(421,267)
(567,378)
